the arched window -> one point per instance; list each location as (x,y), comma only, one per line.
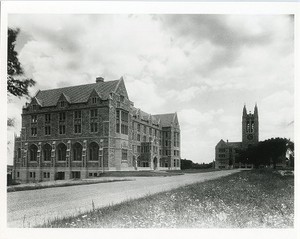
(61,152)
(93,151)
(19,153)
(47,152)
(33,152)
(77,152)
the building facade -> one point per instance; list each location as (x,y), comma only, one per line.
(227,152)
(82,131)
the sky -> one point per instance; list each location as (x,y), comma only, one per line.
(204,67)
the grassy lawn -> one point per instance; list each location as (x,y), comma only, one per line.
(249,199)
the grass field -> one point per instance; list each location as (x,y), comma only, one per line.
(249,199)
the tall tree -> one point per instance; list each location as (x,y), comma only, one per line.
(17,84)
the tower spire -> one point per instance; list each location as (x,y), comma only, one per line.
(255,110)
(244,111)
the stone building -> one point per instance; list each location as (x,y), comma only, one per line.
(81,131)
(226,152)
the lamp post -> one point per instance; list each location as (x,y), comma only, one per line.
(101,154)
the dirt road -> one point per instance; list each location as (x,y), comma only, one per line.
(30,208)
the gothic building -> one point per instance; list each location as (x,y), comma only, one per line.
(81,131)
(226,152)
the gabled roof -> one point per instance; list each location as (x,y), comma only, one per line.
(234,144)
(166,119)
(77,94)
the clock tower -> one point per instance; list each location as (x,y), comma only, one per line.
(249,127)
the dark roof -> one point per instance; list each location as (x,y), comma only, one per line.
(76,94)
(165,119)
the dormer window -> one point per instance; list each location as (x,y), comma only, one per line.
(94,100)
(122,98)
(34,107)
(62,104)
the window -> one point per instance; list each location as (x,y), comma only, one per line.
(77,152)
(124,122)
(122,98)
(33,131)
(34,107)
(93,120)
(124,154)
(18,174)
(62,129)
(138,137)
(150,131)
(47,152)
(139,149)
(61,152)
(221,155)
(145,129)
(144,138)
(19,153)
(94,127)
(47,118)
(32,174)
(33,152)
(62,116)
(33,118)
(93,113)
(93,152)
(94,100)
(77,114)
(77,128)
(47,130)
(222,150)
(77,122)
(138,127)
(62,104)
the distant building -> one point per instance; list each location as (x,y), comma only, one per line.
(226,152)
(81,131)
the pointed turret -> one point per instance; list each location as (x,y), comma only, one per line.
(244,111)
(255,111)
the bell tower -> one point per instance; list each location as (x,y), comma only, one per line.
(249,127)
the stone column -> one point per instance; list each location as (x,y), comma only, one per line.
(39,160)
(53,156)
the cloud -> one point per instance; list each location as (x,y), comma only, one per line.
(205,67)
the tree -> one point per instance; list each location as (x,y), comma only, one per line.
(267,152)
(15,84)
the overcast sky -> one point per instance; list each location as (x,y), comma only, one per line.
(204,67)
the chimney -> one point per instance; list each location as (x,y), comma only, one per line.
(99,79)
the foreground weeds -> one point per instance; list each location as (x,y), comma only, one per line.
(249,199)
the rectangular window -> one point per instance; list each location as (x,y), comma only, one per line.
(144,138)
(62,104)
(47,118)
(138,137)
(124,122)
(33,118)
(222,150)
(77,114)
(77,128)
(94,127)
(139,149)
(62,116)
(124,154)
(94,113)
(138,127)
(145,129)
(118,121)
(62,129)
(18,174)
(47,130)
(94,100)
(150,131)
(33,131)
